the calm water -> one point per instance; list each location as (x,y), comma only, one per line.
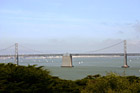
(84,66)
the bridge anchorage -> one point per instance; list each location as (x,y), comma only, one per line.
(67,60)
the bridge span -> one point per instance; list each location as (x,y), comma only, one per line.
(67,58)
(73,54)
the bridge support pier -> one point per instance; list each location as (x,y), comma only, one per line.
(16,54)
(125,56)
(67,60)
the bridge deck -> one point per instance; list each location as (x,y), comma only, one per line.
(74,54)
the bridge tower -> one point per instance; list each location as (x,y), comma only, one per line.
(67,60)
(16,54)
(125,55)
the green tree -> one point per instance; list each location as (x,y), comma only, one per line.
(24,79)
(32,79)
(113,83)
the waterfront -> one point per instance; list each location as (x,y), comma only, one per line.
(84,66)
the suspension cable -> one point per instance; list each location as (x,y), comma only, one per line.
(107,47)
(31,49)
(6,48)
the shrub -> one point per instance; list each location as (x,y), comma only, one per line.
(32,79)
(24,79)
(113,83)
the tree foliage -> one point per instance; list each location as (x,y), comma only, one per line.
(32,79)
(113,83)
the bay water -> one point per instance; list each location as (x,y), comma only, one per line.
(83,66)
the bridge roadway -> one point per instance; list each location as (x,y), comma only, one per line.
(73,54)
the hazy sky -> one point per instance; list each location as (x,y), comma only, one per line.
(69,24)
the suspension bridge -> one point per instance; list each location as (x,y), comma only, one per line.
(67,57)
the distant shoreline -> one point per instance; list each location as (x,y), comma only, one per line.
(56,57)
